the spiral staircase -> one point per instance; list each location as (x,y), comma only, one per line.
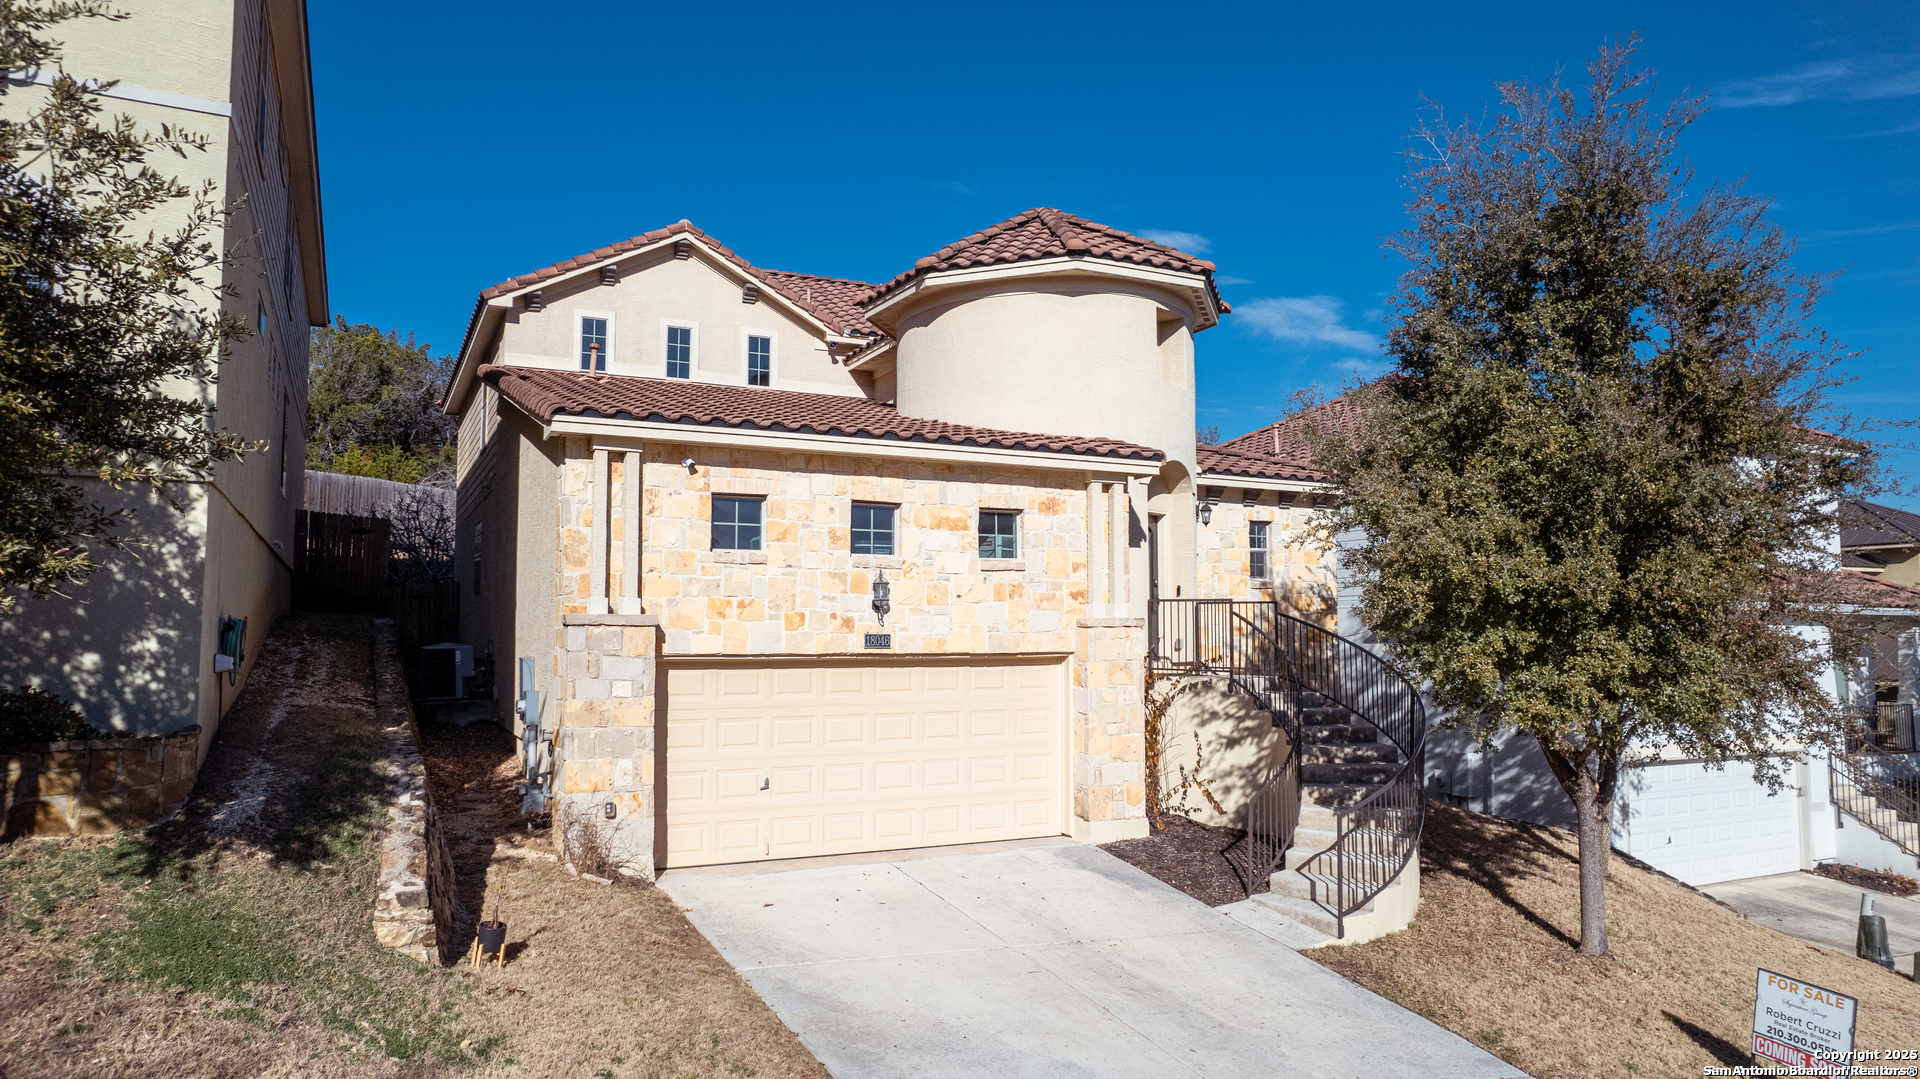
(1335,825)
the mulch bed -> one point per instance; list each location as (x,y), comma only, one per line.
(1872,879)
(1190,856)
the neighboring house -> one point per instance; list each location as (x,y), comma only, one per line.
(1881,541)
(1707,825)
(809,566)
(136,646)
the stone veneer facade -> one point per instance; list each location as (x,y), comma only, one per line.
(805,594)
(1300,573)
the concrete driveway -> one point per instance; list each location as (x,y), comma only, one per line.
(1823,911)
(1048,959)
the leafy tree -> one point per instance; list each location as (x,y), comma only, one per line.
(109,329)
(375,406)
(1587,498)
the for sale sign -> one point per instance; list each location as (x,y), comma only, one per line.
(1801,1025)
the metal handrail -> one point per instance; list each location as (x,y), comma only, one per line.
(1886,789)
(1375,838)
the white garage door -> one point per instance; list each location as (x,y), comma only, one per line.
(801,760)
(1705,826)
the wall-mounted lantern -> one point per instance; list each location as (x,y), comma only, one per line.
(1206,507)
(882,595)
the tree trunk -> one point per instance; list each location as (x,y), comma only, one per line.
(1596,843)
(1593,809)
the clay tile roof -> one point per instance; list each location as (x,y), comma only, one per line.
(546,393)
(1863,590)
(1048,233)
(1289,435)
(841,299)
(1218,461)
(831,300)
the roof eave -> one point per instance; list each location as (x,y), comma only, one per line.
(293,63)
(1195,286)
(610,430)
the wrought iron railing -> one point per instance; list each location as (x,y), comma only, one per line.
(1878,788)
(1239,642)
(1276,657)
(1890,725)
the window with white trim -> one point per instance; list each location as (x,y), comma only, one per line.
(593,344)
(680,354)
(1257,567)
(759,361)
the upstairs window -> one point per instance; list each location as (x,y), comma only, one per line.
(1257,550)
(593,344)
(872,528)
(999,534)
(680,355)
(759,361)
(736,522)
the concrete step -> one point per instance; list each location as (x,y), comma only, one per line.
(1305,850)
(1337,732)
(1390,910)
(1335,794)
(1349,753)
(1362,772)
(1318,816)
(1313,838)
(1298,885)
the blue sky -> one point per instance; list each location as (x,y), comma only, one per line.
(461,144)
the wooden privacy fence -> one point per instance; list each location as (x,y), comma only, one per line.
(425,612)
(342,563)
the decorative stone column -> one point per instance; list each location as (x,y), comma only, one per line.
(603,743)
(1109,730)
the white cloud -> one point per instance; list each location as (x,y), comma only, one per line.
(1865,79)
(1306,319)
(1191,242)
(1224,279)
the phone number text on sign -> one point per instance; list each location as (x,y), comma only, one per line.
(1801,1025)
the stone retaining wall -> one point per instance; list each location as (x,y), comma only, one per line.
(98,787)
(415,910)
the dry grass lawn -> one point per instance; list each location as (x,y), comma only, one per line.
(237,939)
(1491,957)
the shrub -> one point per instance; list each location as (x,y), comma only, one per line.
(34,715)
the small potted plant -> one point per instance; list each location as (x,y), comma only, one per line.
(490,939)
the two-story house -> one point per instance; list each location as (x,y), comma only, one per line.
(810,566)
(152,643)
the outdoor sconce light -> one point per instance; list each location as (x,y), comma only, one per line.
(882,595)
(687,463)
(609,810)
(1206,508)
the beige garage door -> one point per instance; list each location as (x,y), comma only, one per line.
(793,761)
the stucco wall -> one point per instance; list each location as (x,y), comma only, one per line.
(134,646)
(125,647)
(658,289)
(1223,738)
(1070,356)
